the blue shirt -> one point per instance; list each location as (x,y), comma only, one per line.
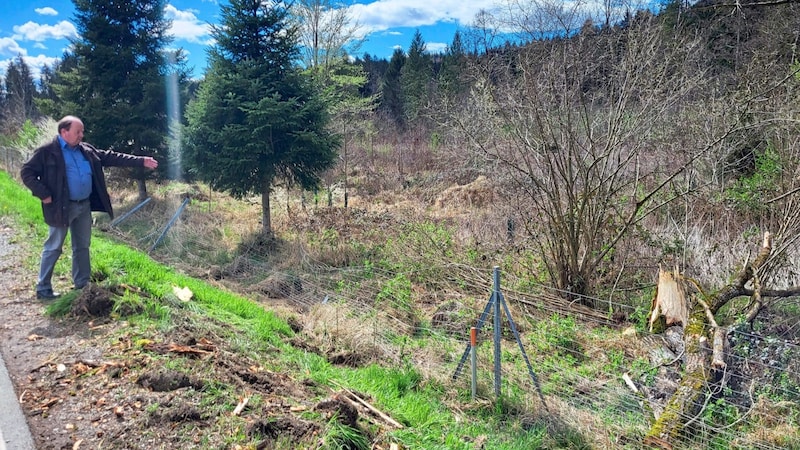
(79,172)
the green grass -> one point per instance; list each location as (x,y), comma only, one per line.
(338,436)
(18,203)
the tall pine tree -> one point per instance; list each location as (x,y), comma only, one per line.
(118,83)
(451,76)
(415,79)
(256,119)
(392,90)
(20,93)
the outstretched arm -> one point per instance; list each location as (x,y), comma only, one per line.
(113,158)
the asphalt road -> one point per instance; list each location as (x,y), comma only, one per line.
(14,432)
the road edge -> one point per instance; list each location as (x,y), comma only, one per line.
(14,431)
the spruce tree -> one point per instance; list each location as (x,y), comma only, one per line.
(392,90)
(117,85)
(451,76)
(256,119)
(20,93)
(415,78)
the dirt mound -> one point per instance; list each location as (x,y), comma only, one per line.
(281,429)
(167,381)
(280,286)
(93,301)
(341,409)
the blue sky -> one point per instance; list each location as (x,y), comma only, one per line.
(39,29)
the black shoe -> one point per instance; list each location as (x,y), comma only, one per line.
(47,295)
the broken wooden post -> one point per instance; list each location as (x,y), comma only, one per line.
(473,342)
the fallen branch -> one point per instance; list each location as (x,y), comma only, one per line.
(371,408)
(758,303)
(629,382)
(719,344)
(240,407)
(705,360)
(719,349)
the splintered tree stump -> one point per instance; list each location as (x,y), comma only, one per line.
(705,343)
(670,303)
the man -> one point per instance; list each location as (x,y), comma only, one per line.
(67,175)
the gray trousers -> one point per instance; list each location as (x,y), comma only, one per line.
(80,229)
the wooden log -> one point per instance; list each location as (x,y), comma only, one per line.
(688,399)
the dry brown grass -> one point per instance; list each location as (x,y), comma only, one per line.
(476,195)
(334,328)
(774,425)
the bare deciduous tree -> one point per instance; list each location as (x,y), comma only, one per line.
(328,36)
(327,32)
(580,129)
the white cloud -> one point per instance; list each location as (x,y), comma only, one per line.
(385,14)
(34,63)
(32,31)
(186,26)
(435,47)
(10,48)
(46,11)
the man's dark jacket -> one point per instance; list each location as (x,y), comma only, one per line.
(46,176)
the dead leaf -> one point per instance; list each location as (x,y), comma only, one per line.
(81,368)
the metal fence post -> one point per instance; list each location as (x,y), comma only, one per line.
(497,331)
(127,214)
(172,221)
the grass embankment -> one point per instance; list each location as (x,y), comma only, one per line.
(147,311)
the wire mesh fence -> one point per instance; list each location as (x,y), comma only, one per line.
(582,357)
(11,159)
